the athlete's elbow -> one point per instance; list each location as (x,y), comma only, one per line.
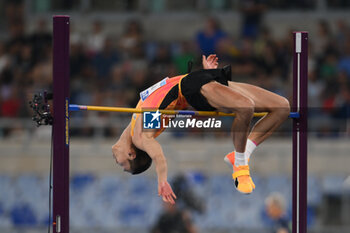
(114,147)
(159,159)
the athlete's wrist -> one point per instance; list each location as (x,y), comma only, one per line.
(162,180)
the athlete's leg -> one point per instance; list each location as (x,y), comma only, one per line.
(244,99)
(225,98)
(278,109)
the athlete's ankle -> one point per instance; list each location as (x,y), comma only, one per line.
(250,147)
(240,159)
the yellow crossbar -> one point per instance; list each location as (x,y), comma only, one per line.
(74,107)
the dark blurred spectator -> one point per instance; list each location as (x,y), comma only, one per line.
(25,62)
(275,213)
(120,80)
(342,98)
(40,40)
(9,98)
(6,81)
(161,63)
(173,220)
(268,61)
(10,107)
(4,57)
(16,38)
(78,59)
(227,50)
(84,86)
(328,69)
(186,54)
(324,38)
(186,198)
(139,82)
(14,10)
(344,105)
(42,75)
(95,40)
(131,42)
(329,94)
(315,88)
(105,60)
(337,106)
(209,38)
(176,218)
(344,60)
(252,14)
(245,65)
(263,39)
(82,75)
(342,33)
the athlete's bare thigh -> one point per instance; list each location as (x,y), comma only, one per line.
(224,98)
(264,100)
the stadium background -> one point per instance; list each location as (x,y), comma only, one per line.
(118,48)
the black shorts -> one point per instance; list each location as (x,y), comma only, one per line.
(192,83)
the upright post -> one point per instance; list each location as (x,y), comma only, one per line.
(60,72)
(300,78)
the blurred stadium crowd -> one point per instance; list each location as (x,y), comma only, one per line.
(112,69)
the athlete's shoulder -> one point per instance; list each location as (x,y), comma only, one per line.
(177,76)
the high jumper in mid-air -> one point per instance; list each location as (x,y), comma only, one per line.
(208,89)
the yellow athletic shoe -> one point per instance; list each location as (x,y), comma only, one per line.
(241,175)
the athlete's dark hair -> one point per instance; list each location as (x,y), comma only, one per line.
(141,163)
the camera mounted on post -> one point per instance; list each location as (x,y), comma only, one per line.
(39,104)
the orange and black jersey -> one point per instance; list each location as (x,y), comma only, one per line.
(181,91)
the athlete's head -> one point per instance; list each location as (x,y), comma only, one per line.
(131,158)
(141,162)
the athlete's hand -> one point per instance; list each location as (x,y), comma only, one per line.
(165,190)
(211,62)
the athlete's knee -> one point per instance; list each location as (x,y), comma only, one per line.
(246,108)
(284,108)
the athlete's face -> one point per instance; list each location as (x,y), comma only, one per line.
(122,157)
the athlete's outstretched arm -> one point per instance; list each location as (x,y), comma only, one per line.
(210,62)
(154,150)
(146,142)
